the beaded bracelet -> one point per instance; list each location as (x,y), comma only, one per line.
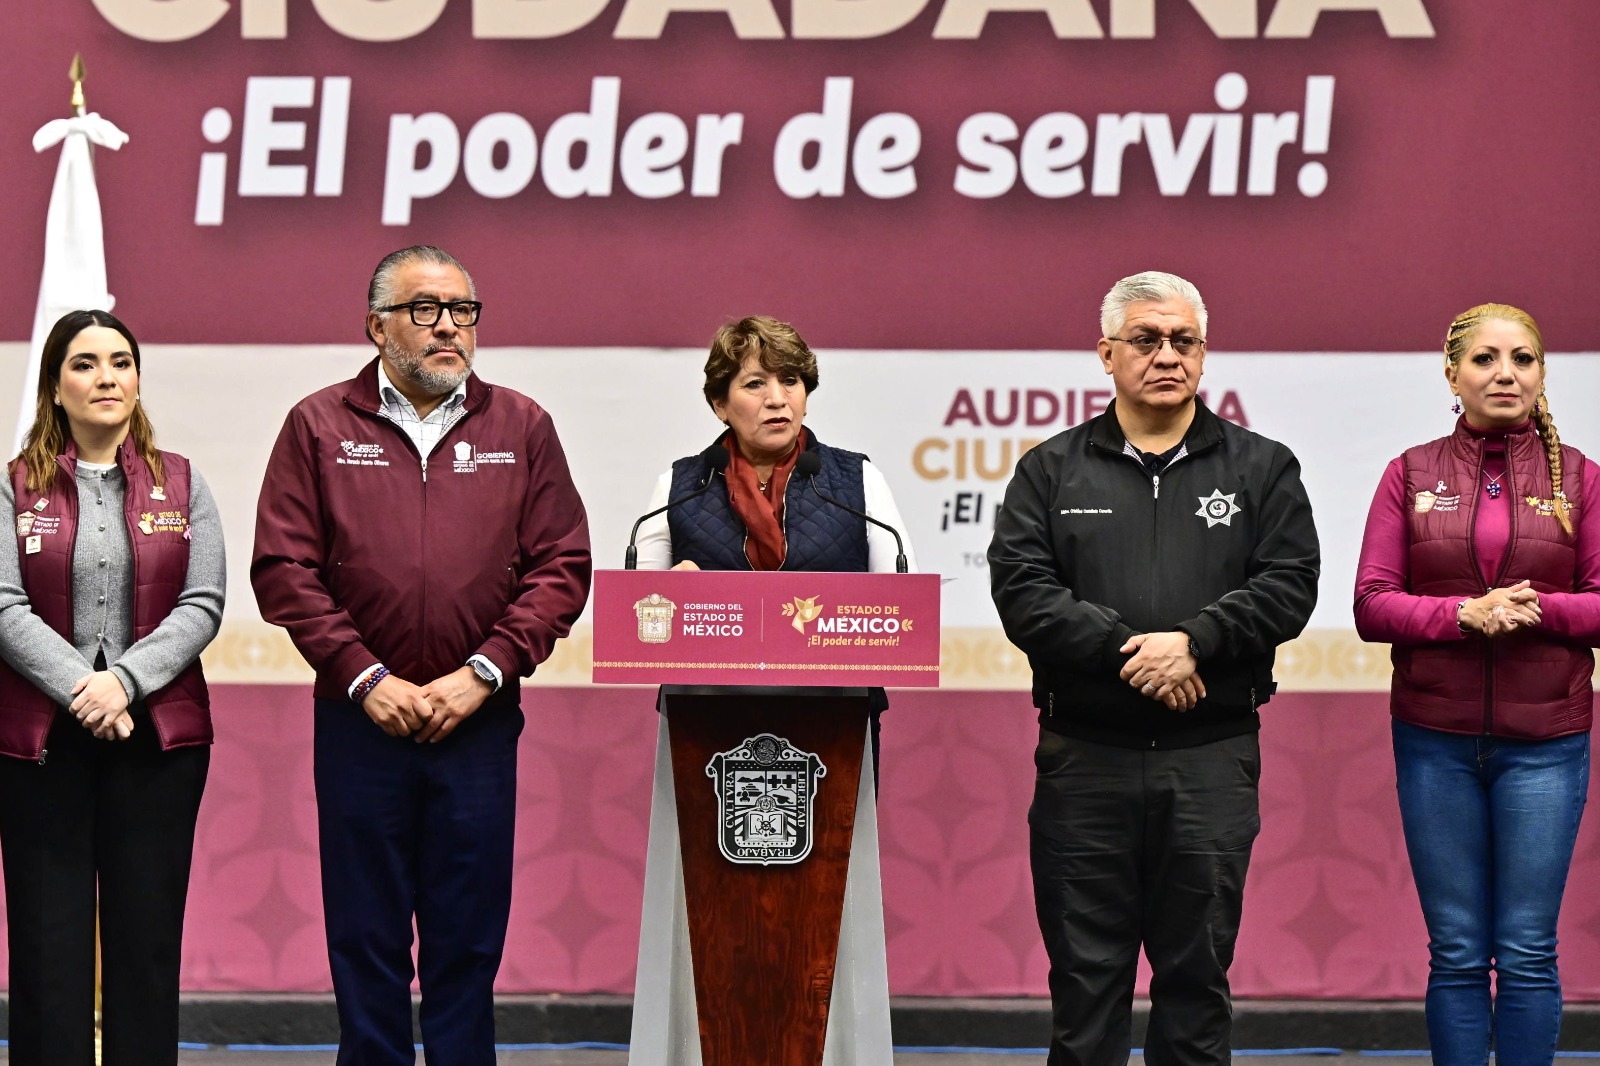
(364,689)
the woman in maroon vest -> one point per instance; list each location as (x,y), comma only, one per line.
(1481,568)
(108,592)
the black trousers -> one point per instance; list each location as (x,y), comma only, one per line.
(120,814)
(1131,848)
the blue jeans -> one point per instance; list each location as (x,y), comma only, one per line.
(1490,825)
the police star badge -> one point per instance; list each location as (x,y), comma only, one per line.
(766,791)
(1218,508)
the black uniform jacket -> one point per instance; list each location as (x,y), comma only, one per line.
(1089,549)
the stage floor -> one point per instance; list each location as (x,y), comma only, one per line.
(321,1057)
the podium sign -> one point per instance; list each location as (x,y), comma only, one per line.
(725,627)
(763,830)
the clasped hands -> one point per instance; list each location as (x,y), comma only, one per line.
(100,704)
(1163,669)
(427,713)
(1502,611)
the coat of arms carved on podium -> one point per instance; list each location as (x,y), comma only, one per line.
(766,791)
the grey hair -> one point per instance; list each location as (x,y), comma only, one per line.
(380,291)
(1152,285)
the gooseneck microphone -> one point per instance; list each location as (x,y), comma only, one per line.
(808,466)
(715,459)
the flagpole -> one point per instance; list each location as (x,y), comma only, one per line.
(74,274)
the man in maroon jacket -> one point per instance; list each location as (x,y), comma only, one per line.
(420,538)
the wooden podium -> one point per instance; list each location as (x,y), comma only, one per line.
(762,938)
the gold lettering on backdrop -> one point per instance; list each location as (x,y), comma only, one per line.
(398,20)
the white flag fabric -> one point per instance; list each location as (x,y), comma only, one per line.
(74,244)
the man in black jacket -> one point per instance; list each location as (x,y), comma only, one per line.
(1149,562)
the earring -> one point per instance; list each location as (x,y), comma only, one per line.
(1456,407)
(1538,406)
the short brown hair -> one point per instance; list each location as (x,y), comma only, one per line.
(778,345)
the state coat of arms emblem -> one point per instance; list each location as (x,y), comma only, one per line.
(655,618)
(766,792)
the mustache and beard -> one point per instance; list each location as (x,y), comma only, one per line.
(409,364)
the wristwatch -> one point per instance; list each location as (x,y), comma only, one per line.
(480,666)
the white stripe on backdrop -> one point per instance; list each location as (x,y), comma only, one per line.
(939,424)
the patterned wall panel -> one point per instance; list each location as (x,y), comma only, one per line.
(1329,913)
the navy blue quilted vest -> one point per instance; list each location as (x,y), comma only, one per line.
(820,536)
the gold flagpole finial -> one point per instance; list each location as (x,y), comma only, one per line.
(75,72)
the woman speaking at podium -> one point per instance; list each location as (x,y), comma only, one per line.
(764,507)
(766,495)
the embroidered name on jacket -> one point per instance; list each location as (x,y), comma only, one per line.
(360,454)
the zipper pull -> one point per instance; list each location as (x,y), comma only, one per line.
(1050,708)
(42,753)
(1155,483)
(424,469)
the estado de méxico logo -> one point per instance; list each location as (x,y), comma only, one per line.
(469,458)
(847,623)
(655,618)
(766,794)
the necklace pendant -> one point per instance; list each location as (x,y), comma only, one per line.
(1494,491)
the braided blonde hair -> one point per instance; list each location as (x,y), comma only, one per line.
(1456,342)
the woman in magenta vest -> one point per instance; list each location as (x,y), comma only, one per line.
(1481,568)
(110,588)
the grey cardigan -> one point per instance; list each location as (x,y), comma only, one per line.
(102,596)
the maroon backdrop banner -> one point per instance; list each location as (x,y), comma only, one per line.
(1335,179)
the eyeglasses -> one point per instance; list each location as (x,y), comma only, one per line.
(1150,343)
(428,312)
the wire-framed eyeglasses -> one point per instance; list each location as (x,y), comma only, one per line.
(1150,343)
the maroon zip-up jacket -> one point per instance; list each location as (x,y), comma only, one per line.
(363,559)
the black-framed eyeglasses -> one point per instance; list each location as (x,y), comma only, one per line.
(428,312)
(1150,343)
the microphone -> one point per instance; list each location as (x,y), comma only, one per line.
(716,460)
(809,465)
